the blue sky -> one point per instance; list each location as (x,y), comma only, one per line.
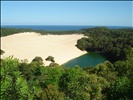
(110,13)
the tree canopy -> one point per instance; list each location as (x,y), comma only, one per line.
(32,81)
(111,43)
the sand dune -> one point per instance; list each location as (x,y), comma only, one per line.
(29,44)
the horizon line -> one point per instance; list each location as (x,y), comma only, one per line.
(60,25)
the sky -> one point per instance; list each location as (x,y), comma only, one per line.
(102,13)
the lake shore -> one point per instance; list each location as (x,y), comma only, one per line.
(28,45)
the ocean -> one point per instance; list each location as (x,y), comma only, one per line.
(59,27)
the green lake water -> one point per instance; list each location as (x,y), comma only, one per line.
(89,59)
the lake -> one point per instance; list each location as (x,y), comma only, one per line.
(89,59)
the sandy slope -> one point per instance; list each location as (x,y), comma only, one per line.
(29,44)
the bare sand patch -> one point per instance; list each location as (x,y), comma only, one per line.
(30,44)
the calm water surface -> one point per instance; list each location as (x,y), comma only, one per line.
(89,59)
(59,27)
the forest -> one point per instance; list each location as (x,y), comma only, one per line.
(111,80)
(114,44)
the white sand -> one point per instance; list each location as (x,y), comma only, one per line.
(28,45)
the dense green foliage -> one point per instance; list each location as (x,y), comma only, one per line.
(10,31)
(38,59)
(32,81)
(113,44)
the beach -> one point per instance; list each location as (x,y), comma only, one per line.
(28,45)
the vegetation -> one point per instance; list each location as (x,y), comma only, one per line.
(113,44)
(10,31)
(50,58)
(2,52)
(38,59)
(106,81)
(53,64)
(32,81)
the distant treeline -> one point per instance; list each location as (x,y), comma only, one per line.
(114,44)
(10,31)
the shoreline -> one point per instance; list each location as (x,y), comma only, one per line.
(28,45)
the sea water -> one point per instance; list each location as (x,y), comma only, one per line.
(59,27)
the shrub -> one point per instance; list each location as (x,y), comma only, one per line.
(53,64)
(2,52)
(50,58)
(38,59)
